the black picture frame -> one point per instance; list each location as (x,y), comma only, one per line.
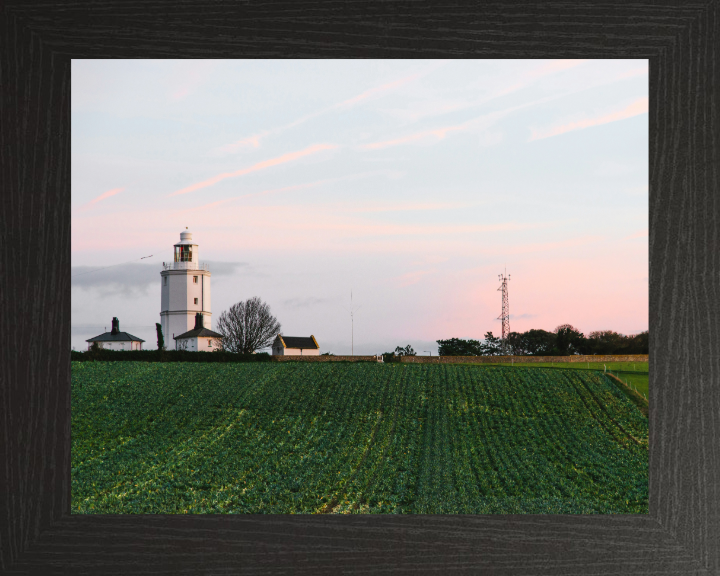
(681,535)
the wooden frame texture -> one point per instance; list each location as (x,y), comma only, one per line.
(681,535)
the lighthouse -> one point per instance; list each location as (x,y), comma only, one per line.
(185,289)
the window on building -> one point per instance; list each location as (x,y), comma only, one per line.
(165,280)
(183,253)
(196,300)
(195,279)
(210,343)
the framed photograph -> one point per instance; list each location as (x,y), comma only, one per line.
(45,51)
(352,225)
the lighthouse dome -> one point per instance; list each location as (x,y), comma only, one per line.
(186,237)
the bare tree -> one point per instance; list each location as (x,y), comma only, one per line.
(247,326)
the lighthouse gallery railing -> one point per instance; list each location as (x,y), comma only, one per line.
(186,266)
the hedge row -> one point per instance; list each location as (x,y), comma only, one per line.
(166,356)
(519,359)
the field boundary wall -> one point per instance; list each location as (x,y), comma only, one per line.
(519,359)
(326,359)
(105,355)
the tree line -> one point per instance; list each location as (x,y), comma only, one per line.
(565,340)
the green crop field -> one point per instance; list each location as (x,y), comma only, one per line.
(634,374)
(173,438)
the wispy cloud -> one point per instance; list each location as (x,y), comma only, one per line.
(437,134)
(289,157)
(414,207)
(247,143)
(254,140)
(295,187)
(318,224)
(227,268)
(640,106)
(640,71)
(522,316)
(322,225)
(452,229)
(101,197)
(378,90)
(415,111)
(529,77)
(478,123)
(297,227)
(253,194)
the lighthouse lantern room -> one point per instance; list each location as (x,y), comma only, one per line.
(185,289)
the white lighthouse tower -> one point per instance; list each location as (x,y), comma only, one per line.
(185,290)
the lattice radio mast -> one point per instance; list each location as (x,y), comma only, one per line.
(505,316)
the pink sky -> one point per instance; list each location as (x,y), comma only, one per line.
(413,183)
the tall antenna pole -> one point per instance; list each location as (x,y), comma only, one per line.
(505,316)
(352,324)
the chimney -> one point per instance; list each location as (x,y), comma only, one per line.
(115,326)
(198,321)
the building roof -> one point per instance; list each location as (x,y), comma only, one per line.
(115,335)
(199,333)
(298,342)
(118,337)
(186,239)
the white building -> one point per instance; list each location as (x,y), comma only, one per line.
(185,290)
(116,340)
(199,339)
(295,346)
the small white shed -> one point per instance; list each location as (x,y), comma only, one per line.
(199,339)
(116,340)
(295,346)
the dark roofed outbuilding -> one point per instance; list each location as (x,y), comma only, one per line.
(116,340)
(199,338)
(295,345)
